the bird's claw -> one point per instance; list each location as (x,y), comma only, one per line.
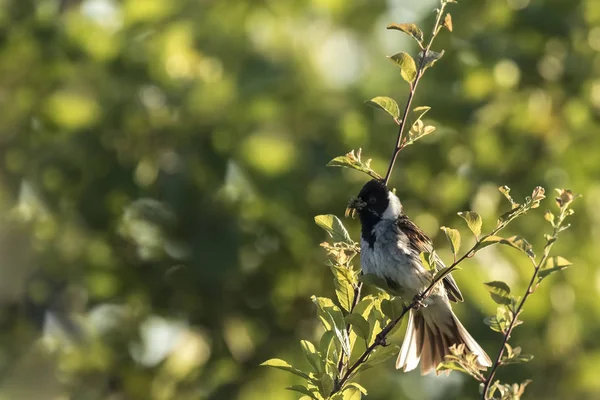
(418,301)
(381,340)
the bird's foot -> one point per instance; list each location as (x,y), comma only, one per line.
(381,340)
(418,301)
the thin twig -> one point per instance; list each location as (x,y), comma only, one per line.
(530,289)
(341,364)
(380,340)
(413,87)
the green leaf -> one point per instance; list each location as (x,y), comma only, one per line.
(283,365)
(313,356)
(357,387)
(426,260)
(333,320)
(359,324)
(518,359)
(473,220)
(505,190)
(552,265)
(364,306)
(453,237)
(392,308)
(350,393)
(514,356)
(500,321)
(326,385)
(419,112)
(334,227)
(344,290)
(381,354)
(377,320)
(408,69)
(520,243)
(510,215)
(514,241)
(430,58)
(304,390)
(441,274)
(494,324)
(450,366)
(489,240)
(417,131)
(387,104)
(329,347)
(549,216)
(353,161)
(410,29)
(367,308)
(463,360)
(499,291)
(325,342)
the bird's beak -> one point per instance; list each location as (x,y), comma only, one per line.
(350,211)
(355,204)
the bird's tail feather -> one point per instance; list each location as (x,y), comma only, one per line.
(431,331)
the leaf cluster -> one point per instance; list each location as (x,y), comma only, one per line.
(344,324)
(510,307)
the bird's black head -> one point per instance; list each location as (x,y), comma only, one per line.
(372,200)
(373,203)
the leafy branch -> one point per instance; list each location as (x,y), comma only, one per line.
(413,75)
(542,269)
(373,318)
(474,222)
(411,71)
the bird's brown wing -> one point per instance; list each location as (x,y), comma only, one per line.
(421,243)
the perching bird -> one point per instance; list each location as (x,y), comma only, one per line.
(391,245)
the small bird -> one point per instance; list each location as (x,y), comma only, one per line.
(391,245)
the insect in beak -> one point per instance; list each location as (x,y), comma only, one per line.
(350,211)
(355,204)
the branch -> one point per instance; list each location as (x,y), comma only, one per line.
(517,211)
(413,87)
(530,289)
(380,339)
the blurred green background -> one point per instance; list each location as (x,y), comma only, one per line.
(162,162)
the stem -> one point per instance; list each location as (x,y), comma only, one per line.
(341,364)
(413,87)
(468,254)
(517,311)
(379,341)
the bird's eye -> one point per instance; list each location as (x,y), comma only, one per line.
(372,200)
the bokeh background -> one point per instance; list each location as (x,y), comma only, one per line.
(161,163)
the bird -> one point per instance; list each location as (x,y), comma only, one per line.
(390,248)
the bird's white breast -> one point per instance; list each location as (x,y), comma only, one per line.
(392,258)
